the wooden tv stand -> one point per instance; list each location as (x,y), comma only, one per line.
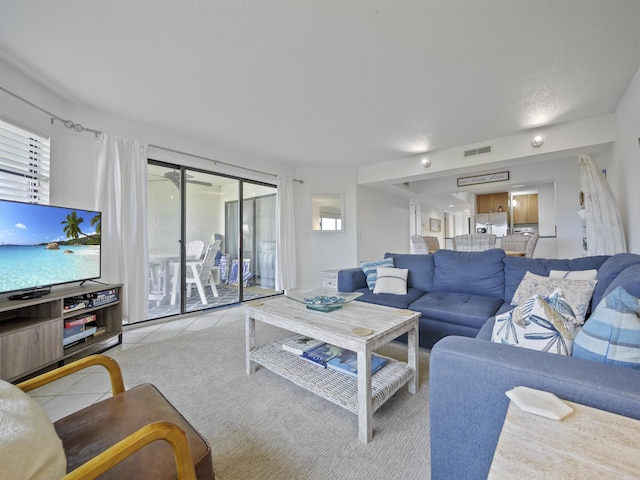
(31,330)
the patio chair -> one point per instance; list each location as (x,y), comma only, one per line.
(201,274)
(474,242)
(114,438)
(193,250)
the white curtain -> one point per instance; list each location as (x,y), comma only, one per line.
(604,233)
(121,196)
(285,236)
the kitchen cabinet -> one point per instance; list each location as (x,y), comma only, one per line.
(525,209)
(491,202)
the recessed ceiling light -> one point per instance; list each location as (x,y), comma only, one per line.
(537,141)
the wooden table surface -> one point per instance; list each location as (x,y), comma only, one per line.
(336,328)
(587,444)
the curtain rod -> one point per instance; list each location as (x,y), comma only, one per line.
(67,123)
(215,162)
(79,128)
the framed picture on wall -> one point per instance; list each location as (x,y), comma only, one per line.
(434,224)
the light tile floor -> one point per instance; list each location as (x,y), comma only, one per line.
(76,391)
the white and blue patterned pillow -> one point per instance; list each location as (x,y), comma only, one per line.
(612,333)
(370,269)
(547,324)
(577,292)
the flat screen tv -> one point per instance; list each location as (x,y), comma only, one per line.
(44,245)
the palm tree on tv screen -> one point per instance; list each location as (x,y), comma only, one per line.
(96,221)
(72,226)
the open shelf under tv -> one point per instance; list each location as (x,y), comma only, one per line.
(31,329)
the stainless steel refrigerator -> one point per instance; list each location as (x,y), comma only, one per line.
(496,223)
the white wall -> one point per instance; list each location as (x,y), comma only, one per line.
(383,224)
(624,172)
(316,250)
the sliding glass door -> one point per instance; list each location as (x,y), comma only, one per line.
(258,235)
(202,255)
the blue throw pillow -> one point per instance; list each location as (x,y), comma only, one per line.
(370,269)
(612,333)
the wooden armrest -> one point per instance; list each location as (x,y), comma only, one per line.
(115,374)
(126,447)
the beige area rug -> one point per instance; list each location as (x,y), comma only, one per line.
(264,427)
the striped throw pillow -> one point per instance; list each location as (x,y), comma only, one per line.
(612,333)
(370,269)
(392,280)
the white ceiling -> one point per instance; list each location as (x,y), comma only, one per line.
(331,83)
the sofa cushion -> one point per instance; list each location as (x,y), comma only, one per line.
(545,324)
(458,308)
(391,280)
(474,273)
(610,276)
(29,445)
(389,299)
(628,279)
(370,269)
(612,333)
(421,268)
(516,267)
(577,292)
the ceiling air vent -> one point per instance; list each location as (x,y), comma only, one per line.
(477,151)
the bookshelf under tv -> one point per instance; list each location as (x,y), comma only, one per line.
(32,331)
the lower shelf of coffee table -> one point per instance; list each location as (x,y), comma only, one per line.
(337,387)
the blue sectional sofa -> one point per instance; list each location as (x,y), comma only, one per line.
(458,295)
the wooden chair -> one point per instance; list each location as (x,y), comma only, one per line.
(117,437)
(474,242)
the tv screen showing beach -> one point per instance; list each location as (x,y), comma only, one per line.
(43,245)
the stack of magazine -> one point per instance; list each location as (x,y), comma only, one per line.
(329,356)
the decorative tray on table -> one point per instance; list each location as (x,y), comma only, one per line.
(322,299)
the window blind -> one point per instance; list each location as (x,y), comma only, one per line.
(24,165)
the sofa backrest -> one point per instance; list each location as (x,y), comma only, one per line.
(516,267)
(420,268)
(609,275)
(475,273)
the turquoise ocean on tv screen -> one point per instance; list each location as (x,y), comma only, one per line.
(24,267)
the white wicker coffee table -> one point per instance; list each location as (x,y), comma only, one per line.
(363,395)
